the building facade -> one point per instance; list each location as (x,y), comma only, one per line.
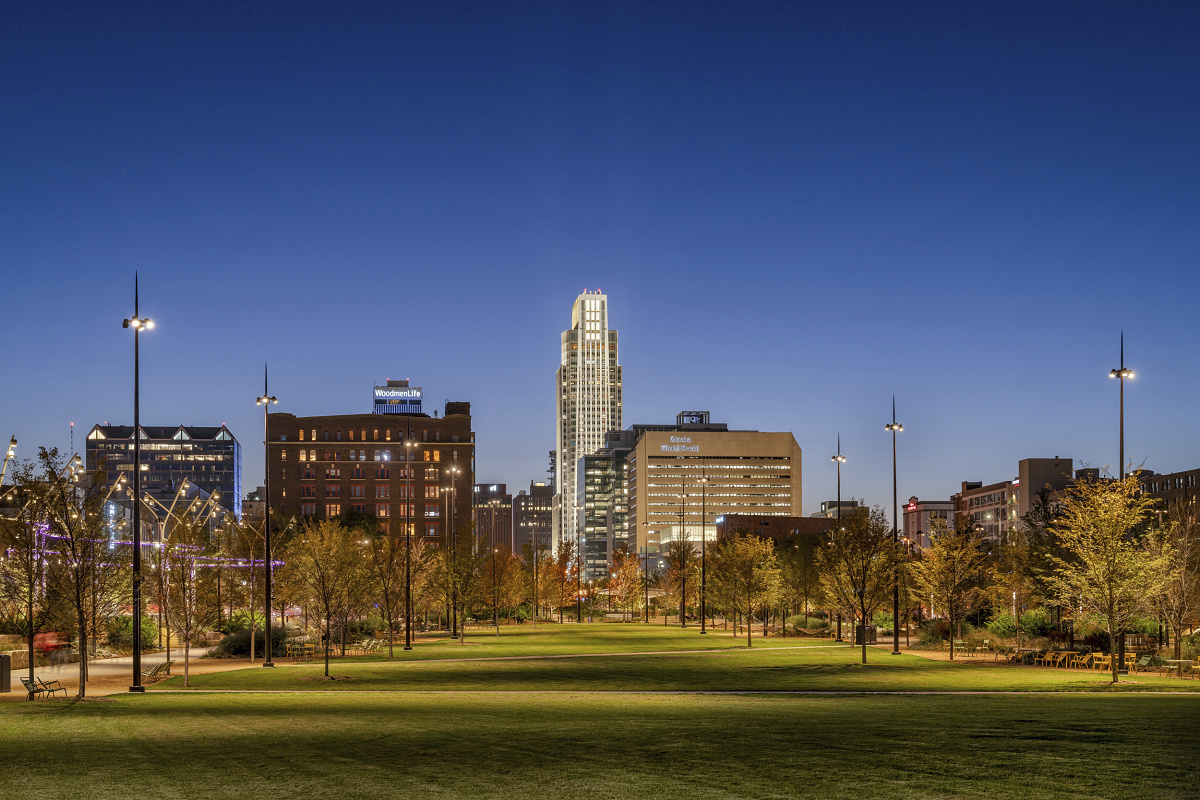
(359,465)
(533,519)
(998,508)
(587,400)
(210,458)
(774,528)
(1173,492)
(830,508)
(492,508)
(923,516)
(678,481)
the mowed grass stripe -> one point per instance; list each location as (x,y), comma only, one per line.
(596,746)
(780,669)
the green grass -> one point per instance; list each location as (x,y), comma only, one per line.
(603,746)
(772,665)
(597,637)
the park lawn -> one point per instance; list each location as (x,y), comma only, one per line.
(828,668)
(596,746)
(596,637)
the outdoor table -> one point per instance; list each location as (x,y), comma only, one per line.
(1177,665)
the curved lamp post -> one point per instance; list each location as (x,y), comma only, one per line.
(139,324)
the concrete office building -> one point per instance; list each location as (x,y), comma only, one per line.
(748,473)
(210,458)
(999,507)
(922,516)
(357,464)
(587,400)
(492,509)
(533,517)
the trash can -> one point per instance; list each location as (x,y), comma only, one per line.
(5,672)
(864,634)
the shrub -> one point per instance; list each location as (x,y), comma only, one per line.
(119,633)
(238,643)
(808,623)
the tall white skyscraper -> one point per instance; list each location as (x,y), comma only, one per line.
(588,401)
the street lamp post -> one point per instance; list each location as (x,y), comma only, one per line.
(1121,374)
(266,401)
(138,324)
(894,427)
(703,541)
(408,472)
(683,553)
(453,552)
(839,459)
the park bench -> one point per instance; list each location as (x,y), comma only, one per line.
(158,672)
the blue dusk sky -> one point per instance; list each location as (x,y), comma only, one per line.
(796,210)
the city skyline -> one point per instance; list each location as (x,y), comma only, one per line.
(798,213)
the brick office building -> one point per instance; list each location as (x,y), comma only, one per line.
(328,467)
(492,506)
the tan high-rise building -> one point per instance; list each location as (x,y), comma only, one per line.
(588,400)
(677,479)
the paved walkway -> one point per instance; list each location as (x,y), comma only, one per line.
(112,675)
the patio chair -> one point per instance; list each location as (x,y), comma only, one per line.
(50,687)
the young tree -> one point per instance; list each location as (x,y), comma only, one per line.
(563,578)
(324,558)
(67,502)
(747,573)
(681,578)
(537,571)
(800,571)
(858,565)
(1109,571)
(954,572)
(625,580)
(1176,546)
(387,562)
(250,546)
(184,548)
(22,573)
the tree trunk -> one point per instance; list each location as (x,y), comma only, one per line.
(328,641)
(749,625)
(187,655)
(82,618)
(1112,651)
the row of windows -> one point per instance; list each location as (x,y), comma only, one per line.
(358,473)
(1167,484)
(362,435)
(428,456)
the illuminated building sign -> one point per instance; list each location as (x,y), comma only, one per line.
(397,398)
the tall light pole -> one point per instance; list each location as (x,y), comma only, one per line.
(839,459)
(703,541)
(894,427)
(1121,373)
(138,324)
(683,553)
(409,445)
(453,552)
(266,401)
